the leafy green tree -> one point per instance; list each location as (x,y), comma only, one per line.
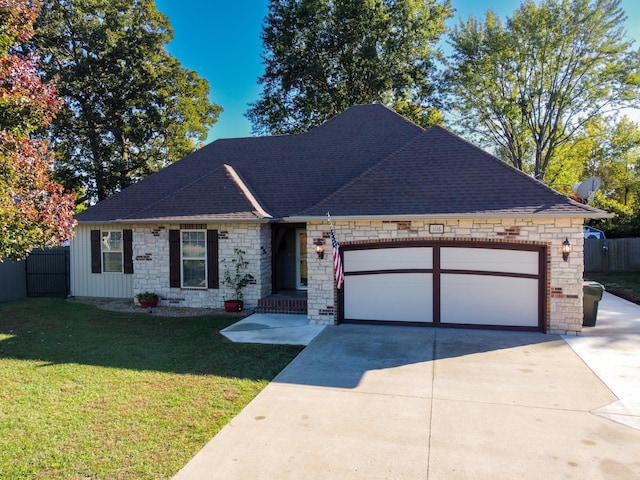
(580,157)
(323,56)
(619,164)
(531,84)
(34,211)
(615,158)
(606,149)
(131,107)
(610,150)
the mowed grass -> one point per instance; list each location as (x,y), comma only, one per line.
(87,393)
(623,284)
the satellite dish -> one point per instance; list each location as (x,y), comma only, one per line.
(587,189)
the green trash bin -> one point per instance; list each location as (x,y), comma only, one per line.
(592,295)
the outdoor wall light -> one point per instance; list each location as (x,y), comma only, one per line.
(319,248)
(566,249)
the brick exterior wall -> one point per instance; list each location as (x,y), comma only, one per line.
(564,298)
(564,302)
(151,263)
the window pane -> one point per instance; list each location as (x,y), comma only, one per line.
(194,245)
(111,251)
(112,261)
(303,273)
(193,273)
(111,241)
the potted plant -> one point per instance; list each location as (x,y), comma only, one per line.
(147,299)
(236,277)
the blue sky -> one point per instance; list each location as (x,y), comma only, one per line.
(220,39)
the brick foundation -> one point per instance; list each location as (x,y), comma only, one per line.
(282,305)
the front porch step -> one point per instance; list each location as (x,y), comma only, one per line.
(282,304)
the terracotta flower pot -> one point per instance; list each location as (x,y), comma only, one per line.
(148,303)
(233,305)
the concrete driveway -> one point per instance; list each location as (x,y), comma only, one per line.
(372,402)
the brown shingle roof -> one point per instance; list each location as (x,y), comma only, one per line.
(438,173)
(367,161)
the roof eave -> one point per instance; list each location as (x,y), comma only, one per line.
(308,218)
(442,216)
(209,219)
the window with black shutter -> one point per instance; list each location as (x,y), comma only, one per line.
(193,258)
(112,251)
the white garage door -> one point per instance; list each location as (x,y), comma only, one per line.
(389,284)
(444,284)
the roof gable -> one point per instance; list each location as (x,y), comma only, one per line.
(291,173)
(181,190)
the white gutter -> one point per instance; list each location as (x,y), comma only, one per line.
(442,216)
(180,220)
(301,219)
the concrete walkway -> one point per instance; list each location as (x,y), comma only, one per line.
(371,402)
(612,350)
(275,329)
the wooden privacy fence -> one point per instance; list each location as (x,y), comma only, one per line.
(622,255)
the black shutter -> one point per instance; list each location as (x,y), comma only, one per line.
(96,252)
(174,258)
(212,259)
(127,250)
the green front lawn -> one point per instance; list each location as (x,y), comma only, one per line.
(625,285)
(86,393)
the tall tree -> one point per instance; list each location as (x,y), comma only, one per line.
(131,107)
(34,211)
(607,149)
(615,159)
(323,56)
(529,85)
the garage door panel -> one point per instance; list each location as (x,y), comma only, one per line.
(405,297)
(489,300)
(388,259)
(489,260)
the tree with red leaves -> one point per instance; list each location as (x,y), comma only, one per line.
(34,210)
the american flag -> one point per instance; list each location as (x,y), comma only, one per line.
(337,262)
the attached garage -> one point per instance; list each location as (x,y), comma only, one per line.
(449,283)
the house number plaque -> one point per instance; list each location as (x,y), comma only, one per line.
(436,228)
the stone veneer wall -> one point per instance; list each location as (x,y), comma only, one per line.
(151,263)
(564,298)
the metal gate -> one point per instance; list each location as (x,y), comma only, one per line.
(48,272)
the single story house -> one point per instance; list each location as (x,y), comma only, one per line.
(432,230)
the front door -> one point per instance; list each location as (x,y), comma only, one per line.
(301,259)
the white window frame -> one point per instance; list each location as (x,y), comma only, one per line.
(183,258)
(300,257)
(104,250)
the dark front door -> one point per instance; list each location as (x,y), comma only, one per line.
(289,261)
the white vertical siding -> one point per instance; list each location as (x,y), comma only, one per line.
(87,284)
